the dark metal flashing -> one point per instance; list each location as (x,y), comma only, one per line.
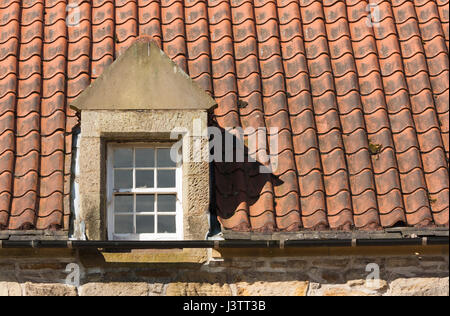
(222,244)
(390,233)
(33,235)
(326,237)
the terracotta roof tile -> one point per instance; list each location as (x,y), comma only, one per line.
(361,108)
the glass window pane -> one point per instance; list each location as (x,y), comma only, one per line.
(166,179)
(145,224)
(145,157)
(123,203)
(123,179)
(164,159)
(145,179)
(167,203)
(145,203)
(123,224)
(166,224)
(123,157)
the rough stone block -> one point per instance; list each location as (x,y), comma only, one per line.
(342,291)
(48,289)
(289,288)
(198,289)
(114,289)
(10,289)
(419,287)
(402,262)
(155,289)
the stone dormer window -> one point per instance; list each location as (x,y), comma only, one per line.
(132,116)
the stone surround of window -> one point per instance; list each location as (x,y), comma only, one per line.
(101,127)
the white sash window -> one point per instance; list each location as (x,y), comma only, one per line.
(144,193)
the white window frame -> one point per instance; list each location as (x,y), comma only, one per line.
(178,235)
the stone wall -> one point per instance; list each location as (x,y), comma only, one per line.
(237,276)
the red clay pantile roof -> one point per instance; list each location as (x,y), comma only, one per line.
(336,86)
